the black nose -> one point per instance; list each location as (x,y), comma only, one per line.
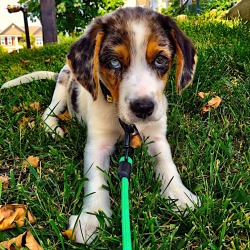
(142,108)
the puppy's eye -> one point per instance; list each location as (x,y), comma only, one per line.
(160,61)
(115,64)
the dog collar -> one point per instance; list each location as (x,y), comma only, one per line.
(107,95)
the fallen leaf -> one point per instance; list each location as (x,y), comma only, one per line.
(35,105)
(23,240)
(31,106)
(212,104)
(23,122)
(205,109)
(202,95)
(69,234)
(32,160)
(13,214)
(5,181)
(16,109)
(47,61)
(31,125)
(235,82)
(65,116)
(24,61)
(215,102)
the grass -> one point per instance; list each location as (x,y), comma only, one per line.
(210,150)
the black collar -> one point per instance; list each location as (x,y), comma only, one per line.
(107,95)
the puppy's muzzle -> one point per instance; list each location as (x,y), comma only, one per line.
(142,108)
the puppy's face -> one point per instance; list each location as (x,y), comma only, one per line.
(133,52)
(135,60)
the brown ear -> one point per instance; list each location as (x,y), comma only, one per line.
(83,59)
(186,57)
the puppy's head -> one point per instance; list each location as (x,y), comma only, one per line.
(131,51)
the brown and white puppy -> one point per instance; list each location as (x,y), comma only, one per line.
(127,54)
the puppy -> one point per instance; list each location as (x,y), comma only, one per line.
(118,70)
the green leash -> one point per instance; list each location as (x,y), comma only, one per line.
(124,171)
(126,232)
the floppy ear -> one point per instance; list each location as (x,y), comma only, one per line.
(186,57)
(83,59)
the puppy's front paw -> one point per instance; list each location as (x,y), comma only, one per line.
(182,196)
(59,131)
(85,227)
(51,125)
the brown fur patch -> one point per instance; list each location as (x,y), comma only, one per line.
(112,82)
(113,77)
(99,39)
(123,54)
(154,49)
(179,62)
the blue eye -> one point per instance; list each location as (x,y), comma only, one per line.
(115,64)
(160,61)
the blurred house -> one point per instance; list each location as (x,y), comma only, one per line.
(157,5)
(12,37)
(153,4)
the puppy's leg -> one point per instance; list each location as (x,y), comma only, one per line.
(171,184)
(96,198)
(58,103)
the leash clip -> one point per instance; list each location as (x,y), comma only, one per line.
(130,130)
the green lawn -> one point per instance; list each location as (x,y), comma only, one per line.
(211,151)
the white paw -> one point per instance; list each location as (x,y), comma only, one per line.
(54,132)
(85,227)
(182,196)
(58,131)
(51,126)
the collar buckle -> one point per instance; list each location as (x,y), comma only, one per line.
(107,95)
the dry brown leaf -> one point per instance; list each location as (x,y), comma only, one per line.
(5,181)
(16,109)
(32,160)
(235,82)
(202,95)
(23,240)
(212,104)
(24,61)
(23,122)
(31,106)
(65,116)
(69,234)
(47,61)
(32,124)
(13,214)
(35,105)
(205,109)
(215,102)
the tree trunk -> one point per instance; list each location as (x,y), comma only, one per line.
(48,20)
